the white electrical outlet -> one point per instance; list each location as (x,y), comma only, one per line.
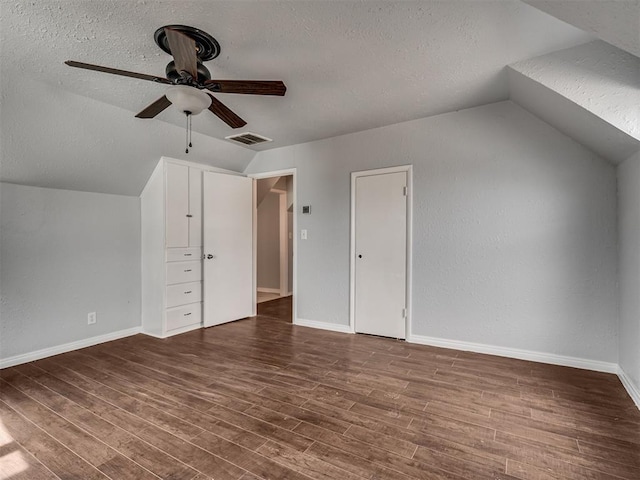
(303,234)
(92,318)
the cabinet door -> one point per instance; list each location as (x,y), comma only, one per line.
(195,207)
(177,205)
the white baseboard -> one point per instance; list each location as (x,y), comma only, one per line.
(533,356)
(632,389)
(334,327)
(269,290)
(176,331)
(67,347)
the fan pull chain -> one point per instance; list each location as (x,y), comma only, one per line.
(188,132)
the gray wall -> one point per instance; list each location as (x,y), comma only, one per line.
(268,237)
(629,218)
(64,254)
(514,229)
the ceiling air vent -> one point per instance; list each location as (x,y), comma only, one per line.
(248,138)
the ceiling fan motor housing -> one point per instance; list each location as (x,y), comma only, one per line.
(177,78)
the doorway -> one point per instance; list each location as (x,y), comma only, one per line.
(274,245)
(380,251)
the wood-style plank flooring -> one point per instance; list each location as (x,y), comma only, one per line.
(263,399)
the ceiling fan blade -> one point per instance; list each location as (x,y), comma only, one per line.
(183,49)
(115,71)
(155,108)
(251,87)
(225,114)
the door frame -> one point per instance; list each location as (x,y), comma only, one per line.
(258,176)
(352,242)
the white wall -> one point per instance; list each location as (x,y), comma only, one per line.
(64,254)
(629,219)
(514,229)
(268,238)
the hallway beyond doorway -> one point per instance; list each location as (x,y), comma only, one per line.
(279,309)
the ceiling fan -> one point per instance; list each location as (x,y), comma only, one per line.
(191,84)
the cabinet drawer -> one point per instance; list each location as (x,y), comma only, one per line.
(184,316)
(182,254)
(183,272)
(183,293)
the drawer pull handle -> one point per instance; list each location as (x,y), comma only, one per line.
(187,254)
(187,293)
(189,216)
(187,314)
(187,271)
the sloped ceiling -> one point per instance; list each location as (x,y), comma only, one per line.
(348,66)
(590,92)
(615,21)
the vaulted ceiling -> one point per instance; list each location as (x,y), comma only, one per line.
(348,65)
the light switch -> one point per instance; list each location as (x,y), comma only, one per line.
(303,234)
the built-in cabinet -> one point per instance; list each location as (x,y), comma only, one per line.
(183,206)
(185,209)
(171,208)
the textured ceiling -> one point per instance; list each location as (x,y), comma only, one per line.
(348,66)
(614,21)
(596,76)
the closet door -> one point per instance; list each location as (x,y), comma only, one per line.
(228,247)
(195,207)
(177,205)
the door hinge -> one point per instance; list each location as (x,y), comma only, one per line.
(404,313)
(404,191)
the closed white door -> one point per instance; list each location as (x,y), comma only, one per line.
(380,254)
(228,248)
(195,207)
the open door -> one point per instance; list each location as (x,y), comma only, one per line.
(228,248)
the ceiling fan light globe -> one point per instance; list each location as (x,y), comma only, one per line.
(188,99)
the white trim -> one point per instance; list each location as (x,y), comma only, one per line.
(274,173)
(67,347)
(632,389)
(409,247)
(282,173)
(269,290)
(254,279)
(201,166)
(334,327)
(283,240)
(541,357)
(177,331)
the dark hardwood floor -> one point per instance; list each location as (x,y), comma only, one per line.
(278,309)
(263,399)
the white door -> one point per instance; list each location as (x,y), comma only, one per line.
(228,248)
(195,207)
(380,254)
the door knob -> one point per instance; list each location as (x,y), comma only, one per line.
(359,256)
(209,257)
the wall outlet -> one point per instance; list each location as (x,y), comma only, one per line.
(92,318)
(303,234)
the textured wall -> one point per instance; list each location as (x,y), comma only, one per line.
(64,254)
(629,218)
(268,248)
(514,229)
